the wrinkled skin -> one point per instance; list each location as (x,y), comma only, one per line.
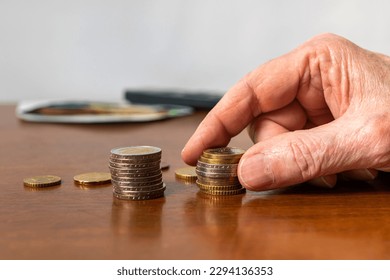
(320,110)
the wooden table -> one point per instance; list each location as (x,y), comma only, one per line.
(351,221)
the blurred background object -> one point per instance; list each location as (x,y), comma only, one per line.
(95,49)
(67,111)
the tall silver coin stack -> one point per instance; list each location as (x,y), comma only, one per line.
(216,170)
(136,173)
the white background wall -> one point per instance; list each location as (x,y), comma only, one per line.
(94,49)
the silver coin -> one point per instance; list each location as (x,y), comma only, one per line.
(233,172)
(132,184)
(143,192)
(134,161)
(120,188)
(138,197)
(136,169)
(218,181)
(136,152)
(137,163)
(135,174)
(214,175)
(129,176)
(136,179)
(134,165)
(210,166)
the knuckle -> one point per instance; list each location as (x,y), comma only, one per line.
(326,39)
(375,135)
(305,159)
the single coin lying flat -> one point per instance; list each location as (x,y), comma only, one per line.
(93,178)
(42,181)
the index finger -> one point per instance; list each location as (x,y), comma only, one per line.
(269,87)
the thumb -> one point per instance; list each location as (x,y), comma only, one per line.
(295,157)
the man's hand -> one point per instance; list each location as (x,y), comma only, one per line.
(322,109)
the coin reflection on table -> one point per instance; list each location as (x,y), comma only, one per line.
(133,219)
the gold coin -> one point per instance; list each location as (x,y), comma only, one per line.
(232,160)
(42,181)
(223,152)
(217,199)
(217,167)
(217,187)
(218,181)
(186,173)
(92,178)
(141,192)
(227,192)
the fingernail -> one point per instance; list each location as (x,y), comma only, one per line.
(255,173)
(371,173)
(361,174)
(323,182)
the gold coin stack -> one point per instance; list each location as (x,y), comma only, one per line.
(135,172)
(217,171)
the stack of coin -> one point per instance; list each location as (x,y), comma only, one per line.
(135,172)
(217,171)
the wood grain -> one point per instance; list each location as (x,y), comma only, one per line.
(351,221)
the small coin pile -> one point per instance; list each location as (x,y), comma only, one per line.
(217,171)
(136,173)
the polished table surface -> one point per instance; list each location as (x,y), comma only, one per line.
(350,221)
